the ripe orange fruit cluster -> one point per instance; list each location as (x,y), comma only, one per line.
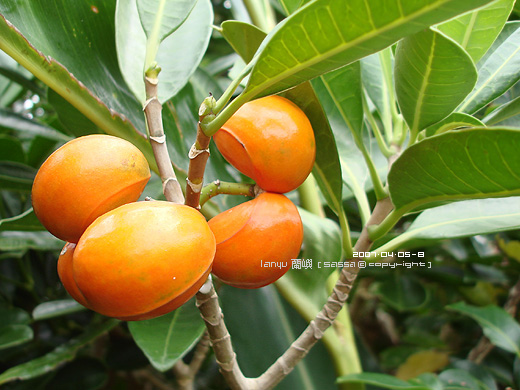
(271,141)
(139,260)
(125,259)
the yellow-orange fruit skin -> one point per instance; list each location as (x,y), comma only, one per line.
(143,259)
(271,141)
(84,179)
(65,273)
(256,241)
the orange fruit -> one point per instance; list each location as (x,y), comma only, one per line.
(142,260)
(256,241)
(84,179)
(271,141)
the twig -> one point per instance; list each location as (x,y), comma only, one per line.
(152,110)
(484,346)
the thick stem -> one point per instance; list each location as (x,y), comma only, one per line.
(198,155)
(152,110)
(221,187)
(207,302)
(314,332)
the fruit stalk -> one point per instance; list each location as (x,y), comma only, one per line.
(152,110)
(221,187)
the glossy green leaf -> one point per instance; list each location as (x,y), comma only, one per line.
(177,60)
(455,120)
(498,325)
(160,18)
(79,31)
(12,335)
(497,71)
(461,219)
(56,308)
(464,164)
(60,355)
(378,81)
(325,35)
(16,176)
(381,380)
(503,112)
(433,75)
(21,241)
(476,31)
(402,292)
(23,126)
(263,326)
(166,339)
(244,38)
(25,221)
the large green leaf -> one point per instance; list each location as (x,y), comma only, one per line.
(476,31)
(433,75)
(60,355)
(461,219)
(166,339)
(54,39)
(325,35)
(497,71)
(177,60)
(498,325)
(457,165)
